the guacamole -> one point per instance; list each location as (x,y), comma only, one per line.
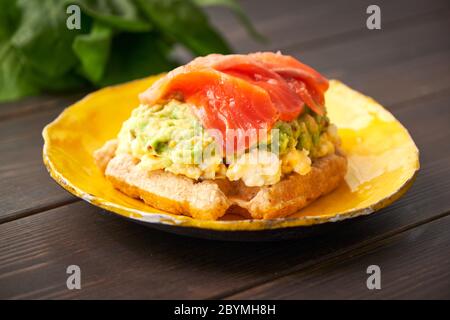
(168,131)
(171,134)
(305,132)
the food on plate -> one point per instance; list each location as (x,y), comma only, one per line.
(243,134)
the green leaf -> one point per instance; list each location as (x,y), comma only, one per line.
(9,19)
(119,40)
(93,51)
(137,55)
(240,14)
(66,82)
(14,74)
(120,14)
(43,37)
(14,79)
(184,21)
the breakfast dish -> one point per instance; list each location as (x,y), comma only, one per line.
(382,162)
(242,134)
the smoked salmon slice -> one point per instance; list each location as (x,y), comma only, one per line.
(288,103)
(306,81)
(221,102)
(242,92)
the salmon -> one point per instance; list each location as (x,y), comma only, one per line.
(221,102)
(309,84)
(288,103)
(242,92)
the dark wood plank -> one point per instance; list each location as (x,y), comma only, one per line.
(388,65)
(120,259)
(401,70)
(387,44)
(10,109)
(414,265)
(35,104)
(413,78)
(24,182)
(303,22)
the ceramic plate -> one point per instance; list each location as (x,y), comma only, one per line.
(382,162)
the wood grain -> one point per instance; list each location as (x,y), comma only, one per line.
(25,185)
(35,104)
(120,259)
(388,64)
(413,264)
(303,22)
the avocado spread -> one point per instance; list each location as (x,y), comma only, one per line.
(309,131)
(168,131)
(173,135)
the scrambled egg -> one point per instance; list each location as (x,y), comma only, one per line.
(297,161)
(256,168)
(211,168)
(260,167)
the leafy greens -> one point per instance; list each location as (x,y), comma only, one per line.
(119,40)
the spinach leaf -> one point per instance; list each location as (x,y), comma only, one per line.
(93,51)
(185,22)
(9,19)
(14,79)
(119,40)
(120,14)
(66,82)
(43,38)
(136,55)
(238,11)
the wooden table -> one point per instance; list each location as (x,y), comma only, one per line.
(405,65)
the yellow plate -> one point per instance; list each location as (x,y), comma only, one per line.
(382,156)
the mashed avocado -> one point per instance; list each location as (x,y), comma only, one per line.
(168,131)
(305,132)
(167,134)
